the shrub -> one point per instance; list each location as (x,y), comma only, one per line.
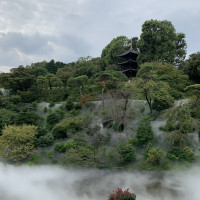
(45,141)
(60,147)
(45,109)
(155,158)
(177,153)
(69,105)
(70,125)
(119,194)
(41,132)
(145,133)
(162,103)
(53,118)
(52,104)
(127,152)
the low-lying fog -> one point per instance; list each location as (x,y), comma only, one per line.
(55,183)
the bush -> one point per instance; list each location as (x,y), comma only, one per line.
(162,103)
(27,118)
(70,125)
(41,132)
(52,104)
(145,133)
(181,154)
(45,141)
(53,118)
(155,158)
(126,152)
(60,147)
(119,194)
(69,105)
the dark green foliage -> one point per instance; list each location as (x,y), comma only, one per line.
(69,105)
(41,132)
(60,147)
(59,132)
(145,133)
(160,42)
(53,118)
(110,54)
(192,67)
(70,125)
(27,118)
(14,99)
(45,141)
(177,153)
(162,102)
(7,117)
(126,152)
(52,104)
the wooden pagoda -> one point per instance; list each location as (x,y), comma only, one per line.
(129,66)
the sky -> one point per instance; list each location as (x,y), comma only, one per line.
(65,30)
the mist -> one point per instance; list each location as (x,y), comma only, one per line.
(57,183)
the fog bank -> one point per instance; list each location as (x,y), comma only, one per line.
(56,183)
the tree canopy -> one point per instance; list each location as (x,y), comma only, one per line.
(160,42)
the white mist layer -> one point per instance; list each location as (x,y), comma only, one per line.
(55,183)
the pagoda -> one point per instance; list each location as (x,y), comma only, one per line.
(129,66)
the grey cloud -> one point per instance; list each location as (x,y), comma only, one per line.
(28,44)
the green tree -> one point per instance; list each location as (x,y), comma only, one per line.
(160,42)
(42,84)
(108,78)
(179,123)
(17,142)
(192,67)
(126,152)
(144,132)
(196,89)
(21,78)
(110,54)
(78,82)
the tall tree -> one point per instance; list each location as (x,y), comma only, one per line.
(160,42)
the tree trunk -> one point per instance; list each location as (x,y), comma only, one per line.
(104,86)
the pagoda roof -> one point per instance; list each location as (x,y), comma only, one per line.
(127,61)
(131,51)
(129,70)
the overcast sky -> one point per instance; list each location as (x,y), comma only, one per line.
(64,30)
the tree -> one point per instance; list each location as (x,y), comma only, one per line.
(21,78)
(17,142)
(192,67)
(64,74)
(196,89)
(151,90)
(42,84)
(160,42)
(106,78)
(165,72)
(145,133)
(126,152)
(110,54)
(78,82)
(179,123)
